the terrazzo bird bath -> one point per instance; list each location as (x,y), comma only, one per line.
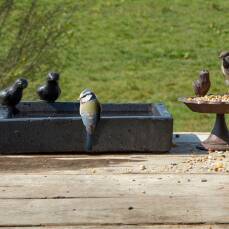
(42,127)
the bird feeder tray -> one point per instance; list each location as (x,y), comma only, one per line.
(42,127)
(219,137)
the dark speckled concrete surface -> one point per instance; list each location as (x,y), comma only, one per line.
(48,128)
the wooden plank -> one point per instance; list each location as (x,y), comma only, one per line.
(112,186)
(122,210)
(119,199)
(112,164)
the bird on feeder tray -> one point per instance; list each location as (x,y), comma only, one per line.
(51,90)
(224,56)
(203,84)
(11,96)
(90,110)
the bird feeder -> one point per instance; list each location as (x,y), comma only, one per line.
(219,137)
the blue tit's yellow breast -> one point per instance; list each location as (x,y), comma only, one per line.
(90,107)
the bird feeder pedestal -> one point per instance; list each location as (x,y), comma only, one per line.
(219,137)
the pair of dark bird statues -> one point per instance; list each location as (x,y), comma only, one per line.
(202,85)
(49,92)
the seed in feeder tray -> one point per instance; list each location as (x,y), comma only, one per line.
(210,98)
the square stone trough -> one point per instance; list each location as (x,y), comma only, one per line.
(57,128)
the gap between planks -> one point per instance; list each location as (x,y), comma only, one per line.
(156,226)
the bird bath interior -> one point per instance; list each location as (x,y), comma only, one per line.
(57,127)
(219,137)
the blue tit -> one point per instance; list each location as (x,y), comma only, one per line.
(90,110)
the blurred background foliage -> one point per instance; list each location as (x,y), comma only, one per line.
(125,50)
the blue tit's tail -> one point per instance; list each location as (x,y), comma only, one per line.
(89,138)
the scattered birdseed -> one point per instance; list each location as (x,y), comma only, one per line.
(218,165)
(143,167)
(220,170)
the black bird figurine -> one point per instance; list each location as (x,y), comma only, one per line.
(203,84)
(11,96)
(224,56)
(51,90)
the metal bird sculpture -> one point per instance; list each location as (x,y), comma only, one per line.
(11,96)
(224,56)
(90,110)
(51,90)
(203,84)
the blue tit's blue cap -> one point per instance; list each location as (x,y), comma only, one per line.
(85,92)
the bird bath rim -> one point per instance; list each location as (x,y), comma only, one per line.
(205,106)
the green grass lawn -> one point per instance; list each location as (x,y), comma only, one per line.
(145,51)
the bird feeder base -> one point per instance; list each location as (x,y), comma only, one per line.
(219,137)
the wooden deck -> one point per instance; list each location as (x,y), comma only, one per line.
(185,188)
